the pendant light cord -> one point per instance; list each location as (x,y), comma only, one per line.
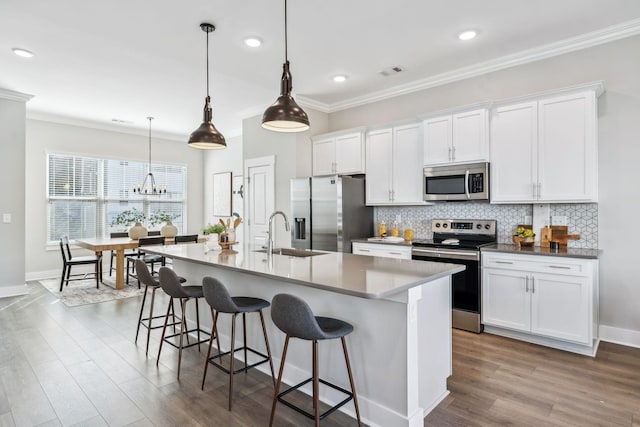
(286,56)
(149,169)
(207,64)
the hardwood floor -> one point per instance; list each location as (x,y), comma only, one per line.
(79,366)
(498,381)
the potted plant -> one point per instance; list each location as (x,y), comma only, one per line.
(213,229)
(132,216)
(168,230)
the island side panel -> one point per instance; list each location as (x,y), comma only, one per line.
(379,347)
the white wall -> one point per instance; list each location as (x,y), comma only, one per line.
(618,65)
(43,137)
(12,154)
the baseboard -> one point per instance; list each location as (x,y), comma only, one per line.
(620,336)
(47,274)
(13,291)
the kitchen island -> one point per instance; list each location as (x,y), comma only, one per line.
(400,349)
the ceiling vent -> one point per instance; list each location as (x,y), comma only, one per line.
(391,71)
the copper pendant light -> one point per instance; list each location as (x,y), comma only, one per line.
(285,115)
(207,136)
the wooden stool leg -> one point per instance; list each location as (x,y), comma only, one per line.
(206,361)
(153,296)
(279,381)
(183,324)
(316,385)
(244,340)
(353,386)
(233,341)
(266,342)
(144,298)
(164,330)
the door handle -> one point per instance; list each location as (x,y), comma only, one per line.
(533,284)
(449,153)
(560,266)
(453,154)
(534,190)
(526,283)
(503,262)
(466,184)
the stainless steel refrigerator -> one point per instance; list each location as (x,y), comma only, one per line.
(328,212)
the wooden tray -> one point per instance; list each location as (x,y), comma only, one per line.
(556,233)
(226,245)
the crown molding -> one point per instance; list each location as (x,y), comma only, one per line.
(584,41)
(14,96)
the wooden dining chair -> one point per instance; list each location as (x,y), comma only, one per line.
(147,258)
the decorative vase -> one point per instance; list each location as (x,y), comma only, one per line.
(169,230)
(138,231)
(212,242)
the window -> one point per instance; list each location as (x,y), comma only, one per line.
(84,194)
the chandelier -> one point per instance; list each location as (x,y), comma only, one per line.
(149,186)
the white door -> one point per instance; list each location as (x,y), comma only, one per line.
(561,307)
(514,153)
(437,140)
(506,300)
(349,154)
(407,164)
(324,156)
(379,154)
(260,197)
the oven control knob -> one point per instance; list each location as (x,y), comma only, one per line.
(478,226)
(445,225)
(487,226)
(437,225)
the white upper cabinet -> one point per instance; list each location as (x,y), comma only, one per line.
(339,153)
(394,165)
(545,150)
(456,138)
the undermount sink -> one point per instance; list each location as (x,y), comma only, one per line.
(292,252)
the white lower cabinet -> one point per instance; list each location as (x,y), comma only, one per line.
(548,300)
(381,250)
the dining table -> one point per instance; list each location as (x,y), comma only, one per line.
(117,244)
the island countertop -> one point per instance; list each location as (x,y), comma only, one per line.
(356,275)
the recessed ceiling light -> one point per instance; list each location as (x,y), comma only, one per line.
(253,41)
(22,52)
(467,35)
(339,78)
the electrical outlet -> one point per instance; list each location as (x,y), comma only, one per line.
(558,220)
(528,220)
(6,218)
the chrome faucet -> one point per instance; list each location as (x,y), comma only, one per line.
(270,236)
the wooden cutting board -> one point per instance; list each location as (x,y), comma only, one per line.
(556,233)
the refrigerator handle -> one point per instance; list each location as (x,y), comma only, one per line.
(299,228)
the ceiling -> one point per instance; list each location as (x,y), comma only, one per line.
(126,60)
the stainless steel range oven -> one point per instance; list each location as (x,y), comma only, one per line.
(459,242)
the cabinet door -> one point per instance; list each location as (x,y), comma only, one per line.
(470,136)
(567,148)
(349,154)
(561,307)
(505,300)
(514,153)
(324,156)
(437,140)
(407,164)
(379,155)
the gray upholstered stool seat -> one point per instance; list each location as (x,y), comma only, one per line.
(295,318)
(170,284)
(218,298)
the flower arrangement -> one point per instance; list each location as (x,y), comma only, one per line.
(129,217)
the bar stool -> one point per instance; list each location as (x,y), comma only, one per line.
(150,282)
(170,284)
(294,317)
(220,301)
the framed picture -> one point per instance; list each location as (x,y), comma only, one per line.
(222,194)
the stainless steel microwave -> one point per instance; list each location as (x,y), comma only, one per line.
(456,182)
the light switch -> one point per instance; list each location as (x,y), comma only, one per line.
(6,218)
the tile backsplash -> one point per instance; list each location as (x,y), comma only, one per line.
(582,218)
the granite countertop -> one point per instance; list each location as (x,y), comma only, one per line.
(361,276)
(537,250)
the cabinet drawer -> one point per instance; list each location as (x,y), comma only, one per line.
(385,251)
(539,264)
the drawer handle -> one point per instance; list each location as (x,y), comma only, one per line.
(395,253)
(364,250)
(503,262)
(560,266)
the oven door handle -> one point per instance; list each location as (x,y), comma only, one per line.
(468,255)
